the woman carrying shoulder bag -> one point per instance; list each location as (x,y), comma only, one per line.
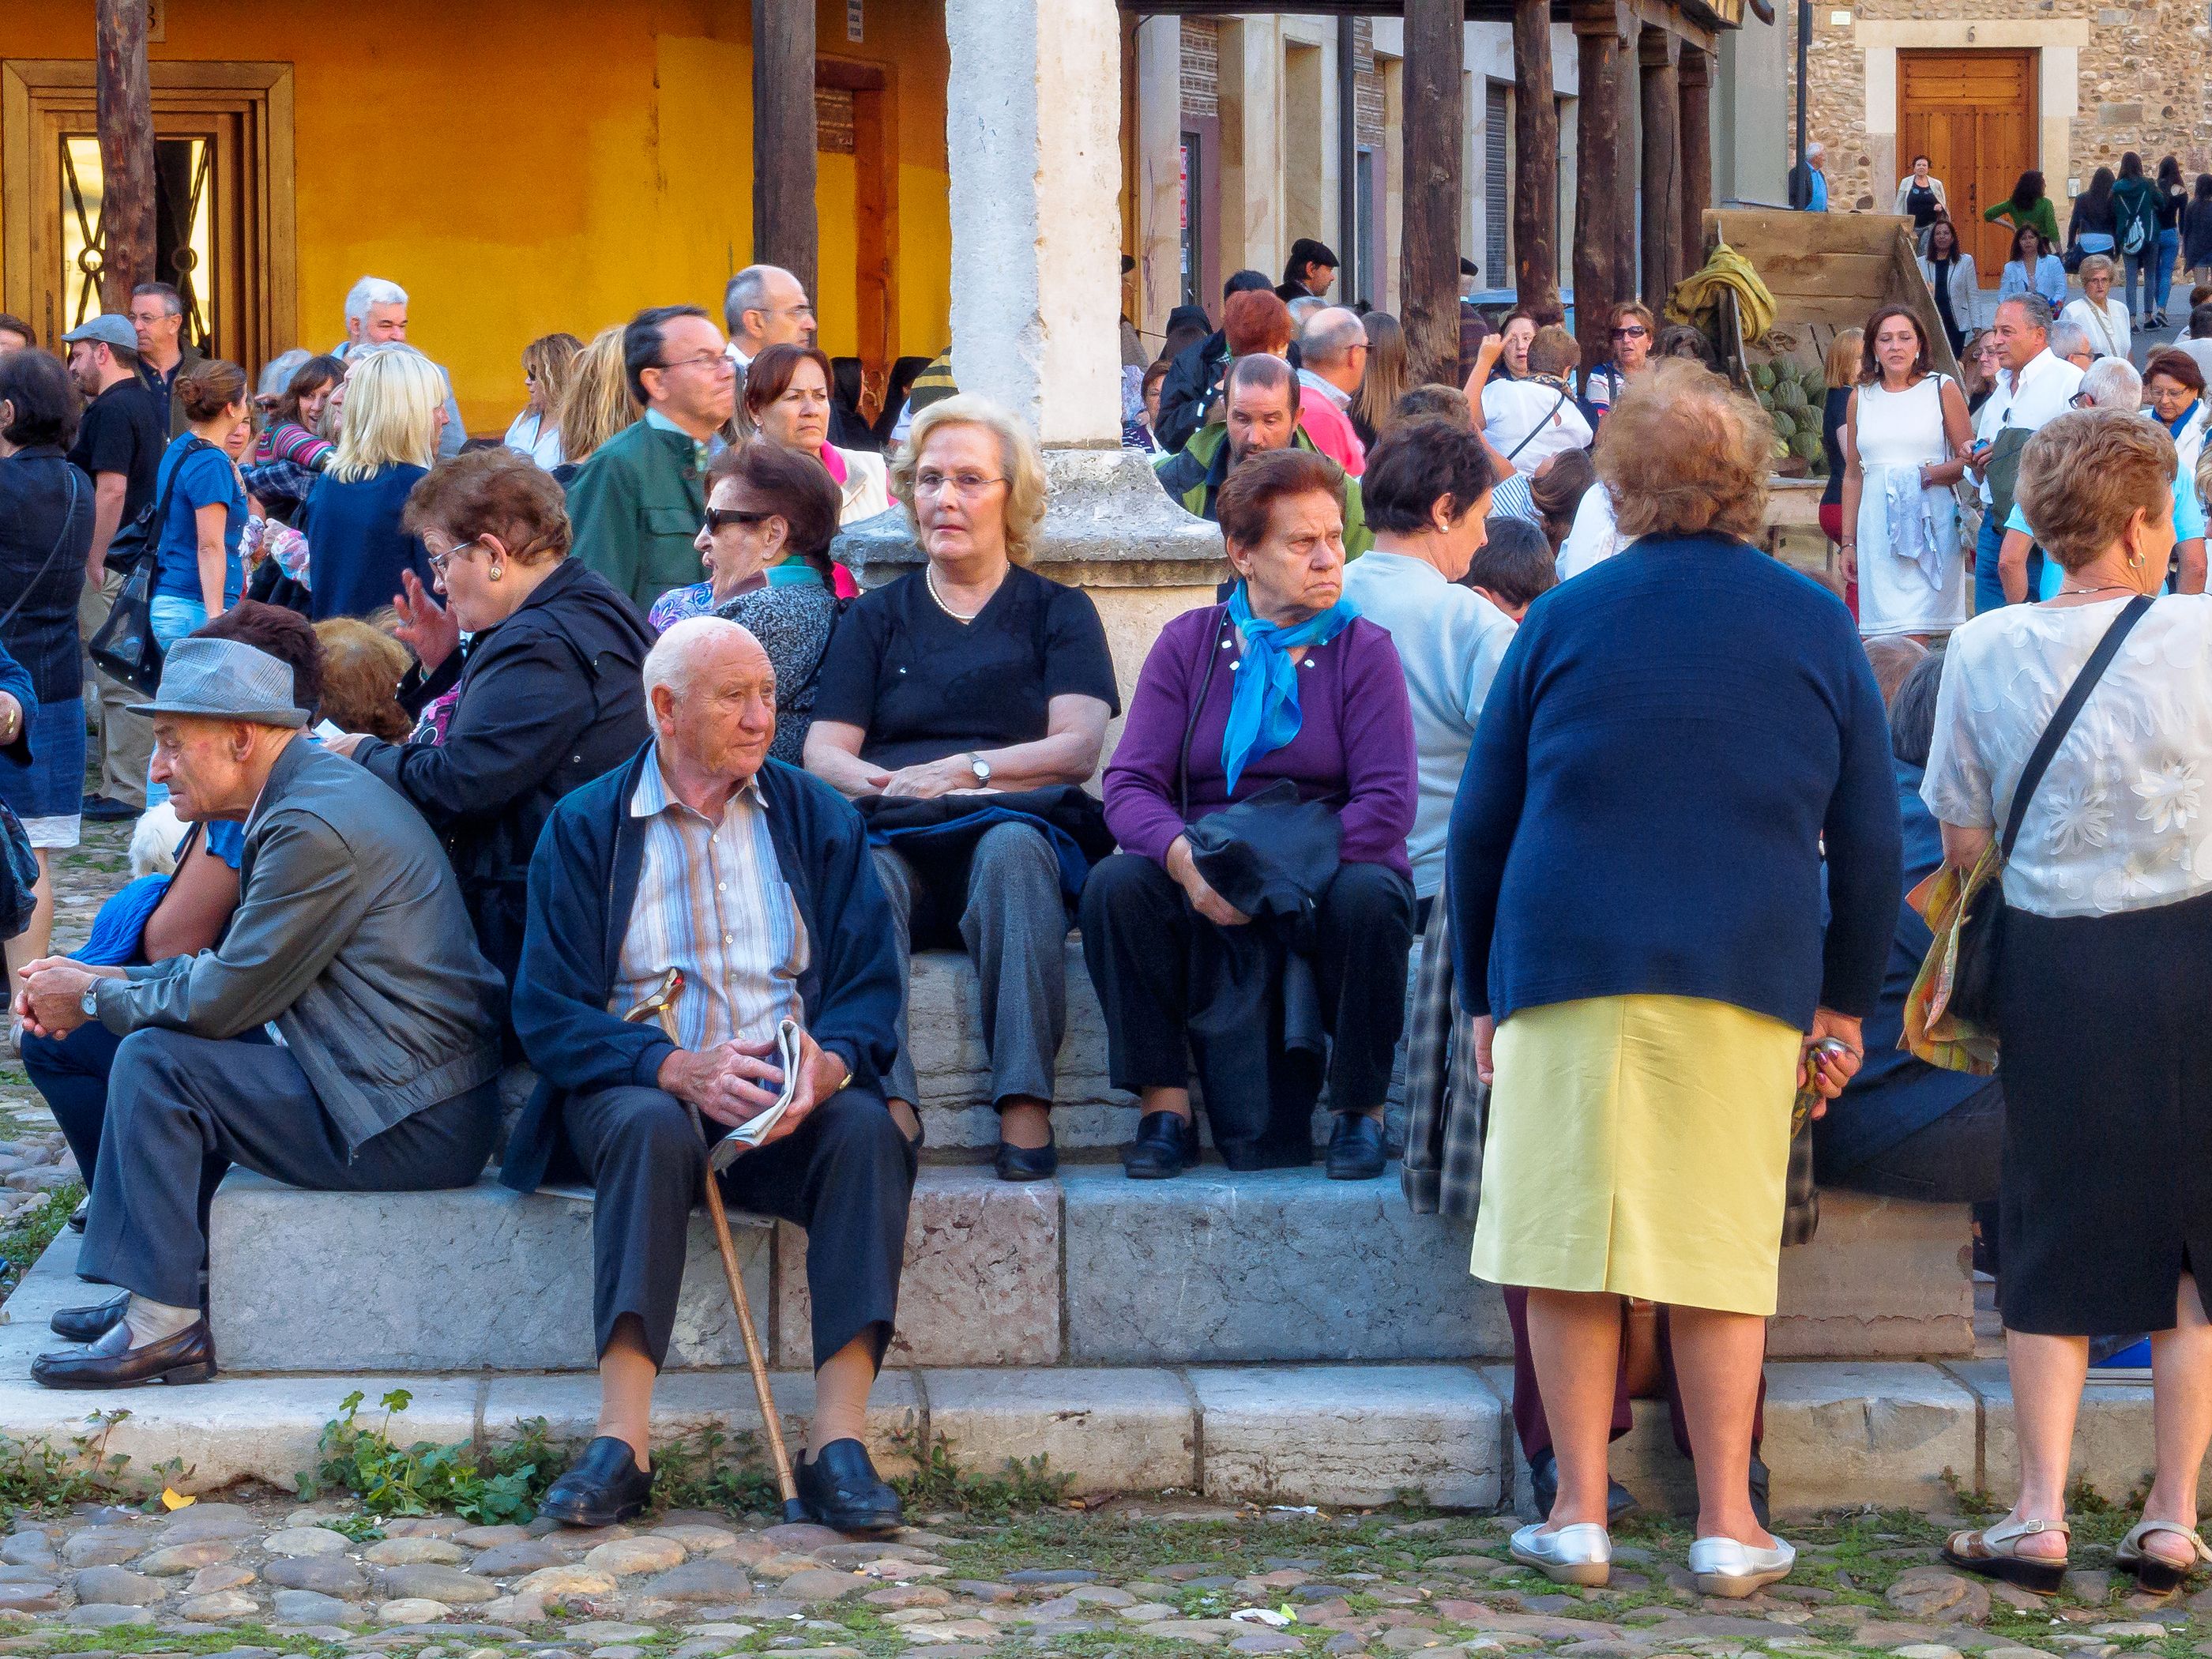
(2106,1200)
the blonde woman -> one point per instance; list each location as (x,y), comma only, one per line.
(2097,313)
(597,403)
(547,363)
(973,672)
(395,411)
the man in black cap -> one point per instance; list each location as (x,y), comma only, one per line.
(1310,272)
(349,939)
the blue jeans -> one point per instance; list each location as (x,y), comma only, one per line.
(1988,592)
(172,617)
(2136,265)
(2162,275)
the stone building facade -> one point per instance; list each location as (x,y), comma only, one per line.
(2104,80)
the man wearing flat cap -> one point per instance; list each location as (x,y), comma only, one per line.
(349,943)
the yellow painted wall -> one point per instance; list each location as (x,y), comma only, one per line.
(525,166)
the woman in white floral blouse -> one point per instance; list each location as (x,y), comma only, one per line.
(2106,1198)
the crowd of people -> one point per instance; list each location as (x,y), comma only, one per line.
(466,754)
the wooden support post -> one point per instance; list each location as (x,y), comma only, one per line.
(1433,133)
(1601,196)
(1623,58)
(1535,161)
(1662,166)
(1696,81)
(783,136)
(126,95)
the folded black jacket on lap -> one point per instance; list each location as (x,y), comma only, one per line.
(939,834)
(549,699)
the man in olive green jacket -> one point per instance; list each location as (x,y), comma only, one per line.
(1261,412)
(636,505)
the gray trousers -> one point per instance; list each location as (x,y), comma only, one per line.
(1009,916)
(181,1109)
(126,740)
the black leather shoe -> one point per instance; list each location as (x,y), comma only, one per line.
(1544,1489)
(1355,1147)
(1166,1145)
(105,809)
(89,1324)
(78,1215)
(1759,1480)
(842,1491)
(602,1487)
(187,1357)
(1027,1162)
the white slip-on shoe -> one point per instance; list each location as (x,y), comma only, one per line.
(1579,1553)
(1726,1567)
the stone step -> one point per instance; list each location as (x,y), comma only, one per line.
(1089,1269)
(1838,1434)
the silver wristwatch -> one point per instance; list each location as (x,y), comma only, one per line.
(979,767)
(90,1001)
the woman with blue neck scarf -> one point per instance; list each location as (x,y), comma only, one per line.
(1634,870)
(1284,689)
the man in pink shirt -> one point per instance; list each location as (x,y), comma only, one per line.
(1332,359)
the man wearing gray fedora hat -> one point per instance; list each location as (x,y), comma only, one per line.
(350,942)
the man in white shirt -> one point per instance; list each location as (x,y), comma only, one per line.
(376,315)
(1434,480)
(2198,345)
(765,306)
(2035,389)
(1536,417)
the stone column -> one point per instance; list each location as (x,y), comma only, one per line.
(1158,161)
(1032,136)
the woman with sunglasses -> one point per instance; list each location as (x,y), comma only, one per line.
(1629,338)
(546,696)
(771,514)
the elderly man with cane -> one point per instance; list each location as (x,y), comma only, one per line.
(752,882)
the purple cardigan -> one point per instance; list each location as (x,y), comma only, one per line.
(1355,741)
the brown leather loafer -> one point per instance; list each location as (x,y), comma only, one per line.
(187,1357)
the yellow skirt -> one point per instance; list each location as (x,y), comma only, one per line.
(1639,1145)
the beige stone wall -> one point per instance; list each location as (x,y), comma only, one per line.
(2115,79)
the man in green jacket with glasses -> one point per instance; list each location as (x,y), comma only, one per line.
(637,503)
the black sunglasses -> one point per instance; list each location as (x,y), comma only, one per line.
(718,516)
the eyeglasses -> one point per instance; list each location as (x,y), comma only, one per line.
(1633,332)
(440,561)
(967,485)
(718,516)
(711,359)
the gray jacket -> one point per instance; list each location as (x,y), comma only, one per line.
(351,936)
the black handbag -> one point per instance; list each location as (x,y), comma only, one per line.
(19,874)
(124,648)
(1981,934)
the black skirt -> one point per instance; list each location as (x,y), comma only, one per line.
(2106,1192)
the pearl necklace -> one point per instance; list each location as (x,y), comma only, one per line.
(929,578)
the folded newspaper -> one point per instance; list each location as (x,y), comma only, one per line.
(789,1045)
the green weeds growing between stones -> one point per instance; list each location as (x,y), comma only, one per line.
(939,1483)
(489,1488)
(34,1229)
(37,1475)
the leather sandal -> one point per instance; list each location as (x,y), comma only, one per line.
(2154,1572)
(1993,1552)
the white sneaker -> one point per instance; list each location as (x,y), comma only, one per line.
(1579,1553)
(1726,1567)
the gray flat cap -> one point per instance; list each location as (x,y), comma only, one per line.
(225,680)
(107,328)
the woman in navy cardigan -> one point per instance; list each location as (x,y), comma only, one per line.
(1635,868)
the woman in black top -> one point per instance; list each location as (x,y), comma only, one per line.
(974,675)
(2196,231)
(2173,199)
(46,537)
(2093,225)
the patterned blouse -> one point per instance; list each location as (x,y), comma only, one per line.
(791,616)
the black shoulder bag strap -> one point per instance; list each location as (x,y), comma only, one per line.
(68,518)
(1538,427)
(2061,720)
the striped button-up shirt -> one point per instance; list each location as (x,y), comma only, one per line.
(712,901)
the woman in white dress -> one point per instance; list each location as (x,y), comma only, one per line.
(2103,318)
(1906,434)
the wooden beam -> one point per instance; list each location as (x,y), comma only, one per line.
(1694,82)
(1662,166)
(1626,140)
(783,137)
(1601,197)
(1430,256)
(1535,161)
(125,95)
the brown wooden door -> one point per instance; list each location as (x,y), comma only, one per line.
(1973,115)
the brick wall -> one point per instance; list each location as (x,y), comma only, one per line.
(1201,67)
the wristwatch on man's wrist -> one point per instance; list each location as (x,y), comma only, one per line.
(979,767)
(90,1001)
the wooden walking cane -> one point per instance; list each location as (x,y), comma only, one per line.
(661,1006)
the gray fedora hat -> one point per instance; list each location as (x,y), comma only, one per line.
(225,680)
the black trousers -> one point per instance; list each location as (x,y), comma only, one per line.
(845,1175)
(182,1109)
(1137,932)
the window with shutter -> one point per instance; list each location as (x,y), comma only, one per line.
(1496,199)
